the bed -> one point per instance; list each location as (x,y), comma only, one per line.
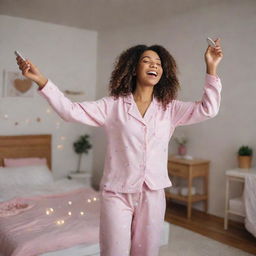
(43,216)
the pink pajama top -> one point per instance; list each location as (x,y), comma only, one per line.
(137,147)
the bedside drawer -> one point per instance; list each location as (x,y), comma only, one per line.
(178,169)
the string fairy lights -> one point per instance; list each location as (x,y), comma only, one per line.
(49,211)
(60,221)
(48,111)
(60,147)
(62,138)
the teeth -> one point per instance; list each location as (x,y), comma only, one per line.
(152,72)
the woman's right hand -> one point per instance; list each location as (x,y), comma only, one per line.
(31,71)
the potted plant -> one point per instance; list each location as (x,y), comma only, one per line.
(245,157)
(82,145)
(182,141)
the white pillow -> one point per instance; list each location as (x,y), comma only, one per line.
(25,175)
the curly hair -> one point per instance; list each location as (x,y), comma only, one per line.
(122,81)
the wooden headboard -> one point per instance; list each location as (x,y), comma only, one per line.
(18,146)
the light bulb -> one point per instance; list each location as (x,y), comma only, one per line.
(49,211)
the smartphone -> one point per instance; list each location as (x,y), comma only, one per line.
(18,54)
(210,42)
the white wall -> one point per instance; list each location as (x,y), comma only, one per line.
(67,56)
(184,35)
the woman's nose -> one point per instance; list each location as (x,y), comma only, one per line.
(153,64)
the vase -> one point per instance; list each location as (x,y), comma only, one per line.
(182,150)
(79,163)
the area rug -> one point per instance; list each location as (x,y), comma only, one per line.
(184,242)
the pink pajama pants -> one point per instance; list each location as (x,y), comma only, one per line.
(131,223)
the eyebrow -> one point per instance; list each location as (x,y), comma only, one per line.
(149,57)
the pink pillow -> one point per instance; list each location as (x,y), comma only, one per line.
(17,162)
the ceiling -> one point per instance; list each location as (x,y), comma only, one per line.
(99,14)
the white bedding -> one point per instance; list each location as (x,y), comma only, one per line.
(61,185)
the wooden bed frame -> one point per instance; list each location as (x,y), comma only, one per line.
(19,146)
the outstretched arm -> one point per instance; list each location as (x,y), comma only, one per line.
(185,113)
(92,113)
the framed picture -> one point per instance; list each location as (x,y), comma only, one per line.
(16,85)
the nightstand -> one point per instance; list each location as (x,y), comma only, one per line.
(82,176)
(189,169)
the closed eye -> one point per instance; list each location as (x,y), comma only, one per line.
(146,61)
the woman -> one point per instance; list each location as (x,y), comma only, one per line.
(139,118)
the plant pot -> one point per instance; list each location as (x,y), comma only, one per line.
(245,162)
(182,150)
(79,163)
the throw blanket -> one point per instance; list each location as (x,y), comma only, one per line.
(34,225)
(250,203)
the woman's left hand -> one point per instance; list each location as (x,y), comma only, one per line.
(213,55)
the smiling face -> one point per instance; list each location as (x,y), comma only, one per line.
(149,69)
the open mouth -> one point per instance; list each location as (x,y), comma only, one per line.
(152,73)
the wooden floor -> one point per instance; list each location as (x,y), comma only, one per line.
(211,226)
